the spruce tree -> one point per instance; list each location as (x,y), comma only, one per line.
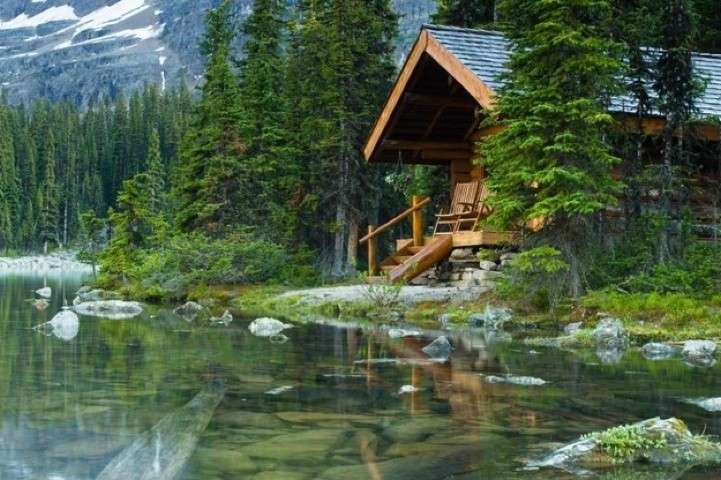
(48,196)
(208,177)
(677,91)
(551,160)
(155,172)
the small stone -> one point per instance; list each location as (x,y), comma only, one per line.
(45,292)
(708,404)
(487,265)
(461,253)
(267,327)
(225,319)
(657,351)
(572,328)
(189,310)
(405,389)
(439,348)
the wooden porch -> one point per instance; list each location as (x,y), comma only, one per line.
(414,256)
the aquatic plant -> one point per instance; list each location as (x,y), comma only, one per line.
(627,442)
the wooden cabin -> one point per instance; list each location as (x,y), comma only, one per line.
(433,116)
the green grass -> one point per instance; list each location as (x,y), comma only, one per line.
(656,316)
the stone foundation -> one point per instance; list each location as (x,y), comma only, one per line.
(464,269)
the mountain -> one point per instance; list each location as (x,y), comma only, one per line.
(82,50)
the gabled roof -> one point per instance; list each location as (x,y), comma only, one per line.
(477,58)
(486,53)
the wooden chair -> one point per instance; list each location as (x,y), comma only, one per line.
(480,210)
(463,201)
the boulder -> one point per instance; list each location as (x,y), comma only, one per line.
(45,292)
(708,404)
(572,328)
(189,310)
(462,254)
(661,441)
(267,327)
(65,326)
(440,348)
(93,295)
(657,351)
(111,309)
(699,352)
(610,334)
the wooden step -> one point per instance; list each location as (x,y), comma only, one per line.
(402,258)
(413,250)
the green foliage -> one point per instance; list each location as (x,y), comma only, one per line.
(208,179)
(627,442)
(533,276)
(91,232)
(186,261)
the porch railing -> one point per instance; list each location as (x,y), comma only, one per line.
(416,214)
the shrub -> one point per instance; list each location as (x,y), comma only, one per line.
(535,276)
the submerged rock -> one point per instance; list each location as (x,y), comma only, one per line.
(492,317)
(225,319)
(267,327)
(162,452)
(657,351)
(86,294)
(41,304)
(708,404)
(515,380)
(699,353)
(65,326)
(662,441)
(45,292)
(408,389)
(439,348)
(189,310)
(111,309)
(402,333)
(279,390)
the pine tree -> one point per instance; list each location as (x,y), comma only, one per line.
(268,173)
(208,178)
(48,196)
(551,160)
(466,13)
(677,91)
(9,190)
(155,172)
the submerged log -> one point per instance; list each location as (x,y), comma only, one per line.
(162,452)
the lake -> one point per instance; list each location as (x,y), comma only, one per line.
(307,406)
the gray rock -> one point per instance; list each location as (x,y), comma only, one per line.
(610,334)
(225,319)
(515,380)
(111,309)
(572,328)
(189,310)
(492,317)
(610,356)
(708,404)
(93,295)
(462,253)
(699,352)
(439,348)
(402,333)
(65,326)
(267,327)
(657,351)
(661,441)
(487,265)
(444,320)
(45,292)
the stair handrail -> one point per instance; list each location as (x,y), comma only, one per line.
(395,220)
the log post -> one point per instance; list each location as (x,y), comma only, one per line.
(372,253)
(417,221)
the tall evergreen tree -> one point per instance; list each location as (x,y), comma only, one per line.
(677,91)
(551,160)
(208,180)
(48,196)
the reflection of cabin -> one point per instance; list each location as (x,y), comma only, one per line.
(433,116)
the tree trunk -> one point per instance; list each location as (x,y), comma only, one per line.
(352,245)
(666,180)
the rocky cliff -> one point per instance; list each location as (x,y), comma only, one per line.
(80,50)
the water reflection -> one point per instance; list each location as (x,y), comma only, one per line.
(69,408)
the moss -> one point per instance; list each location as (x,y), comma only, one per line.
(627,442)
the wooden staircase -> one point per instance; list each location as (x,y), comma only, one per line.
(411,261)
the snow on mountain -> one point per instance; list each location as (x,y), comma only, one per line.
(83,50)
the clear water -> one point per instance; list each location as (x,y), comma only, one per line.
(67,408)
